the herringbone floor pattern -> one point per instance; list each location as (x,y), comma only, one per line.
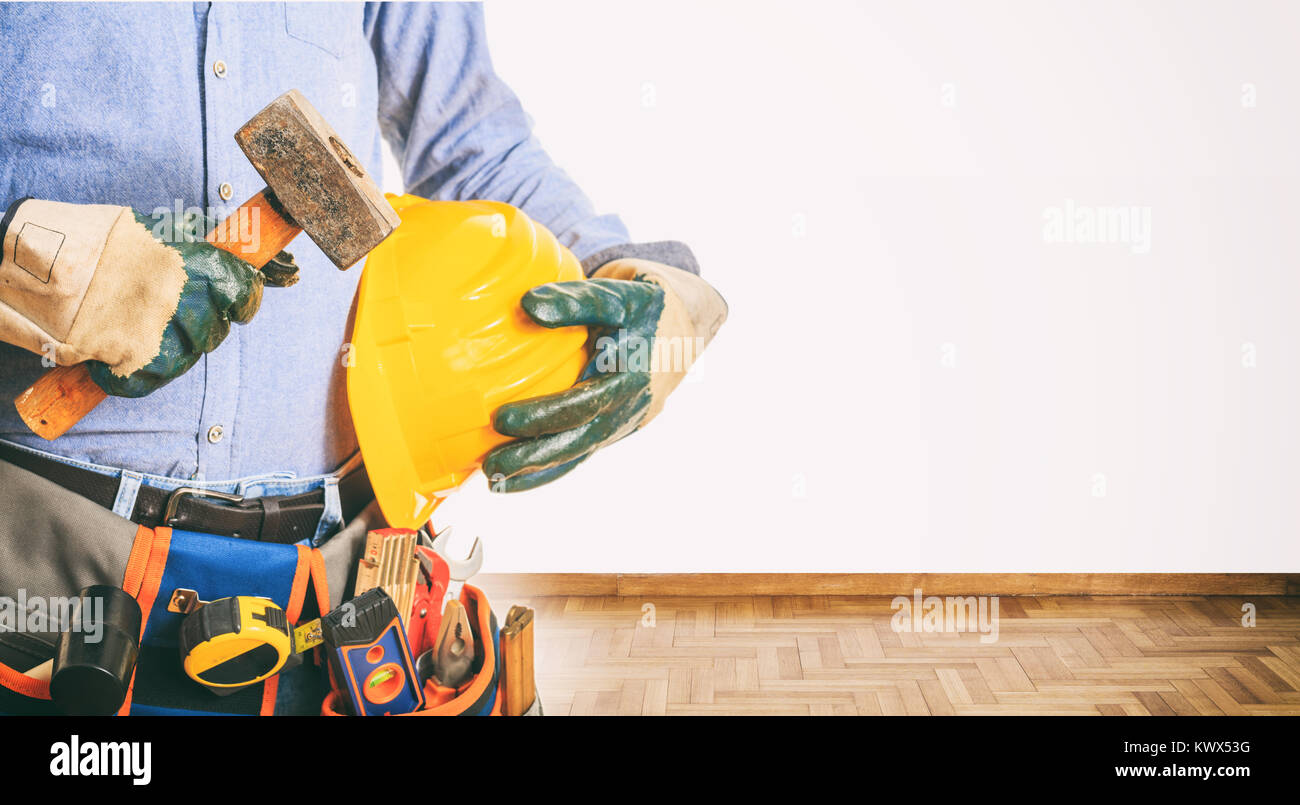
(839,655)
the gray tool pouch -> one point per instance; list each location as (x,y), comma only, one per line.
(53,543)
(343,550)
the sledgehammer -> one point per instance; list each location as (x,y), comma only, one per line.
(313,184)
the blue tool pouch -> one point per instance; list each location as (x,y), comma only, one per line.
(218,567)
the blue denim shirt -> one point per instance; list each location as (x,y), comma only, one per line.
(137,104)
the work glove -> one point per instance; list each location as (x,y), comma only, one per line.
(220,288)
(648,322)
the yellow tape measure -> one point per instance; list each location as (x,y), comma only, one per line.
(234,642)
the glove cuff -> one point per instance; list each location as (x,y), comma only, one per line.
(703,308)
(692,314)
(88,282)
(669,252)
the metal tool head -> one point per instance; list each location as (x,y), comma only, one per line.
(461,569)
(316,180)
(454,650)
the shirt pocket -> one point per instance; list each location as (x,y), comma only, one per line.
(336,28)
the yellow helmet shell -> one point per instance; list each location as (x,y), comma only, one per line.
(440,341)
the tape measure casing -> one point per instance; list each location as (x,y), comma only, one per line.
(233,642)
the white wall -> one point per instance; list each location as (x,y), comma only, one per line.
(913,377)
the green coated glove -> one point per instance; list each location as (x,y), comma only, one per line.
(648,323)
(220,288)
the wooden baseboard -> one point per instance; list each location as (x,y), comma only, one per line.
(715,584)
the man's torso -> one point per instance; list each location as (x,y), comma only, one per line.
(127,104)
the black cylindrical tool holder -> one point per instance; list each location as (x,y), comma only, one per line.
(96,653)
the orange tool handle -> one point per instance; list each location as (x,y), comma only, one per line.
(256,233)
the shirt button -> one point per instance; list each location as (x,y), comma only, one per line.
(225,191)
(219,68)
(215,434)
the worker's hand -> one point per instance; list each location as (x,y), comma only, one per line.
(220,288)
(648,323)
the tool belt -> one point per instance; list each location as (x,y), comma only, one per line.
(281,519)
(54,542)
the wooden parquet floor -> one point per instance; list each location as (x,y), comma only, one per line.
(839,655)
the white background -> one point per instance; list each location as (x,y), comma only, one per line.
(913,378)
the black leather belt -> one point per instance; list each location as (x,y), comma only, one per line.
(283,519)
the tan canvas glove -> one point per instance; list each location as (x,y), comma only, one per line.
(86,282)
(692,308)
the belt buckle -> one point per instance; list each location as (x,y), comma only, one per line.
(174,500)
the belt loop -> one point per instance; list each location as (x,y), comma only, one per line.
(270,519)
(128,488)
(332,517)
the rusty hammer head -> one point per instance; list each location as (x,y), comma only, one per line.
(316,181)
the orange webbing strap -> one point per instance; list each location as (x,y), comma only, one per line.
(320,581)
(297,597)
(501,689)
(298,592)
(24,685)
(144,574)
(269,688)
(322,585)
(138,561)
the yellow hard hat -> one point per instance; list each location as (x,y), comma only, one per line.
(440,341)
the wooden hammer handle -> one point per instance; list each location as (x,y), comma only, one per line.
(256,233)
